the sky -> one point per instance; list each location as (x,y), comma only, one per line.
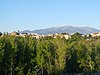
(39,14)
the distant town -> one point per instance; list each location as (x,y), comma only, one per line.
(61,35)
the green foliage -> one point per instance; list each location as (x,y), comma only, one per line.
(76,37)
(48,56)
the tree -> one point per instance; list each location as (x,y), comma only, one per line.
(1,53)
(60,54)
(0,33)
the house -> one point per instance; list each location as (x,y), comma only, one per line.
(14,33)
(95,34)
(24,34)
(34,35)
(67,36)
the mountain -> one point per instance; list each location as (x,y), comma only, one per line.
(64,29)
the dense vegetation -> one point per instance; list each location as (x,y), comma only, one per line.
(49,56)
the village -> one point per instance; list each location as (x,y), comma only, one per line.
(61,35)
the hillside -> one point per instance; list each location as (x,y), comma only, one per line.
(64,29)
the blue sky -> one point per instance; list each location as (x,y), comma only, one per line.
(38,14)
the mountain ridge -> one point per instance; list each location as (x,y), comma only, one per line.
(64,29)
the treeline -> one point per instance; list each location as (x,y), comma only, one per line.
(49,56)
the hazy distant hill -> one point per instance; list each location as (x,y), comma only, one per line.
(64,29)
